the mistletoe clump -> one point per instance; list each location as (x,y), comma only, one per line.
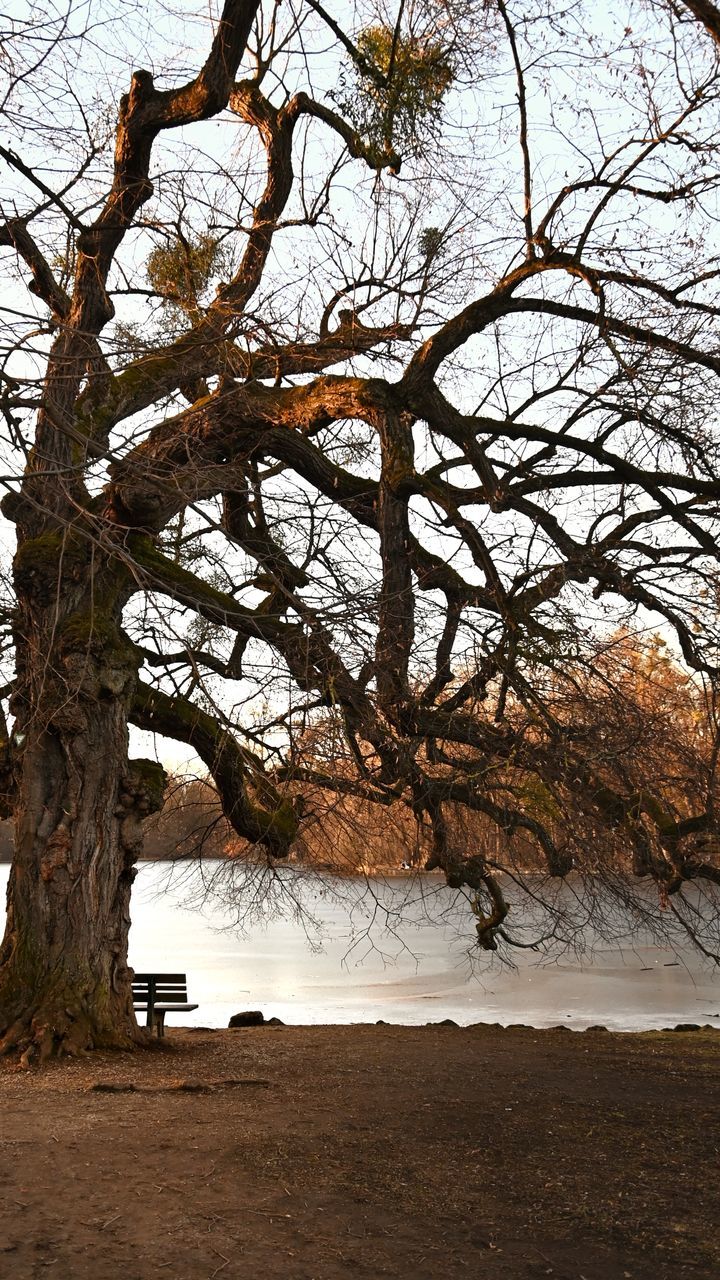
(394,92)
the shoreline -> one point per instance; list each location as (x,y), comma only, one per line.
(595,1027)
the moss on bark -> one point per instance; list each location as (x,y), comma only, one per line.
(95,631)
(40,561)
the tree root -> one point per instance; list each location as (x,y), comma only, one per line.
(41,1035)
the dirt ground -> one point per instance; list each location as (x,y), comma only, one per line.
(311,1153)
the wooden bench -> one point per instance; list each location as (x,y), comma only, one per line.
(160,993)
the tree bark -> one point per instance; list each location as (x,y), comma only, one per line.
(65,985)
(64,977)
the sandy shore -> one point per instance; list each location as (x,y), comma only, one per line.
(319,1152)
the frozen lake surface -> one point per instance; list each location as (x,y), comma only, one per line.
(350,967)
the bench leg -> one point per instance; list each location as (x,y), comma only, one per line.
(160,1022)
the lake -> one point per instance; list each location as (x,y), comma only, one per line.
(362,951)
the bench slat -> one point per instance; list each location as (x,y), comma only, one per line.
(171,985)
(160,986)
(169,1009)
(162,991)
(160,977)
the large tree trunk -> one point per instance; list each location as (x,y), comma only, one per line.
(64,977)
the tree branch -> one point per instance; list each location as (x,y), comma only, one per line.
(250,801)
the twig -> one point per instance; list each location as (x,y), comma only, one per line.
(271,1213)
(223,1265)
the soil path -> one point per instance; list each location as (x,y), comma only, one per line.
(312,1153)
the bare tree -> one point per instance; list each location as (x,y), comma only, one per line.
(374,380)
